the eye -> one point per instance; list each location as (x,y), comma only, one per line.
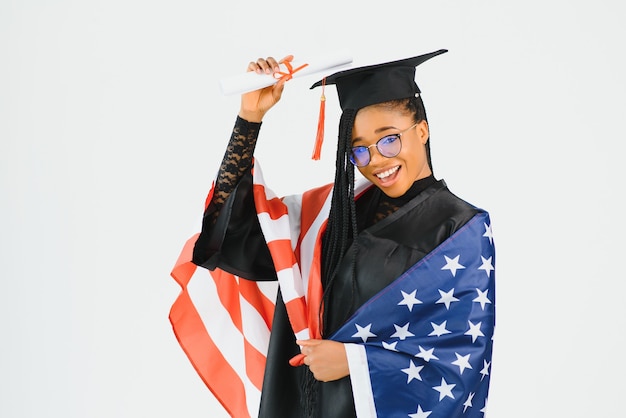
(388,140)
(359,152)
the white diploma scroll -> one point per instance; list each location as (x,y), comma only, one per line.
(250,81)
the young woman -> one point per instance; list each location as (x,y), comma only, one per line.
(395,312)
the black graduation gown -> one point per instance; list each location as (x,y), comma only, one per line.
(384,251)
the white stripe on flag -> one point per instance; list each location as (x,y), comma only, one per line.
(303,335)
(275,229)
(257,178)
(360,379)
(307,245)
(254,328)
(227,338)
(269,289)
(294,209)
(290,284)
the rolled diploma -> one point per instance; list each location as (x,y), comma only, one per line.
(250,81)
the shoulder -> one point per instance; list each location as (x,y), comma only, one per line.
(438,210)
(440,197)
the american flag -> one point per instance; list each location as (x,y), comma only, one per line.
(223,322)
(428,336)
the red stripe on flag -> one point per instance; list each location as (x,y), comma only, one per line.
(206,357)
(274,207)
(264,306)
(312,203)
(282,254)
(200,349)
(183,269)
(315,292)
(297,314)
(229,292)
(255,365)
(207,201)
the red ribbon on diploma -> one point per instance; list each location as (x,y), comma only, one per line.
(289,75)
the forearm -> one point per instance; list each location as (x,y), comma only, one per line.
(236,161)
(231,237)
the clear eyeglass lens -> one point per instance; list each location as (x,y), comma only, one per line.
(360,156)
(389,146)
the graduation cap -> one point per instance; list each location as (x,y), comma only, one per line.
(372,84)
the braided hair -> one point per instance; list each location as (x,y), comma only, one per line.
(342,220)
(341,228)
(342,224)
(338,236)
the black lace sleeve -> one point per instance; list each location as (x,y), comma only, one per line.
(231,238)
(236,162)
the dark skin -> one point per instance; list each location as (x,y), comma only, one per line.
(327,359)
(255,104)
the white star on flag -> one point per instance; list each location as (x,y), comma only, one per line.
(409,299)
(452,264)
(482,298)
(402,332)
(420,413)
(468,402)
(488,233)
(439,330)
(487,265)
(462,362)
(485,369)
(447,297)
(426,355)
(391,347)
(444,389)
(484,409)
(413,372)
(363,332)
(474,331)
(389,392)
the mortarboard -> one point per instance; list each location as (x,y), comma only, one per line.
(371,84)
(364,86)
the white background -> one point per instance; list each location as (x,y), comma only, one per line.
(112,126)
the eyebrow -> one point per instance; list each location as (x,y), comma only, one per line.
(377,131)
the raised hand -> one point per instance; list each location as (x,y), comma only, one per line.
(255,104)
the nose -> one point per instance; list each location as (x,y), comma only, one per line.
(375,155)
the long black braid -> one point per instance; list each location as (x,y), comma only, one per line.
(340,231)
(342,219)
(342,222)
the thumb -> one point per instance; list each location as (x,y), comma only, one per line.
(277,90)
(308,343)
(287,58)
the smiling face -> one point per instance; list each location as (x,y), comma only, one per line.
(395,175)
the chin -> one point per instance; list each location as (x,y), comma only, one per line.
(395,191)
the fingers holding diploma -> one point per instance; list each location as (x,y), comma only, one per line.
(255,104)
(268,65)
(257,77)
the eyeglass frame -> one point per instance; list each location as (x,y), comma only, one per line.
(398,135)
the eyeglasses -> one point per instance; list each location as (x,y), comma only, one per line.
(388,146)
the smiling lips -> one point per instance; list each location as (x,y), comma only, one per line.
(385,175)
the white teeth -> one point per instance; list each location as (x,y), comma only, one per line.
(387,173)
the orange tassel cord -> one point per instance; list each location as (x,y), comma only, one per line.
(317,151)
